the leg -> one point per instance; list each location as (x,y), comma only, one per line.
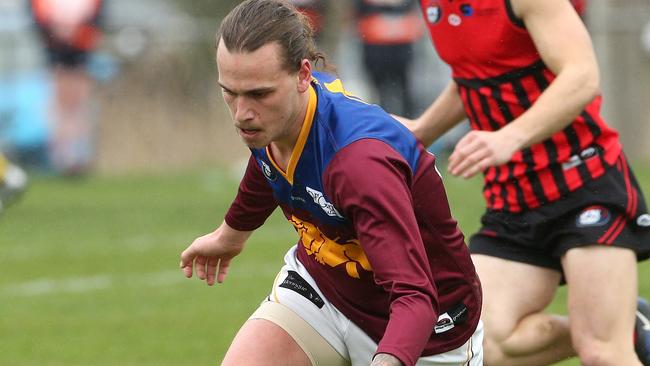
(403,76)
(73,129)
(516,330)
(261,342)
(288,328)
(602,303)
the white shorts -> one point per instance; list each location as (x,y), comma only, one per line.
(295,300)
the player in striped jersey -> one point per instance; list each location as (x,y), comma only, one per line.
(562,202)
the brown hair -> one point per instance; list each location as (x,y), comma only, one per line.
(254,23)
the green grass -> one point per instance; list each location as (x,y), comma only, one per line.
(89,270)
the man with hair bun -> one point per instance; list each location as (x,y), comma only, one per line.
(381,274)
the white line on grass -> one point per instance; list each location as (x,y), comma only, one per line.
(45,286)
(86,284)
(67,285)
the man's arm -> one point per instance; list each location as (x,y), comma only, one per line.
(565,47)
(384,359)
(370,183)
(213,250)
(253,204)
(443,114)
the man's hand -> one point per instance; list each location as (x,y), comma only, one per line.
(213,250)
(479,150)
(384,359)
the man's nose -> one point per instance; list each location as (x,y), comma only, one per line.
(243,111)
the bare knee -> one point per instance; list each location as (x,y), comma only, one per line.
(594,352)
(494,347)
(603,351)
(261,342)
(493,353)
(528,341)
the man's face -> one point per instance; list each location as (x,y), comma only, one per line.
(263,97)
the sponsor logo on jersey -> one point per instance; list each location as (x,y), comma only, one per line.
(319,199)
(269,173)
(466,10)
(573,162)
(578,159)
(295,283)
(588,153)
(454,19)
(444,323)
(298,198)
(643,220)
(448,320)
(593,216)
(433,13)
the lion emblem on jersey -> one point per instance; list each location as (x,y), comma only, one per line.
(329,252)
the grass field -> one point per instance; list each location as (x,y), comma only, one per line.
(89,270)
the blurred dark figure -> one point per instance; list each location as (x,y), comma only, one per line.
(13,182)
(315,11)
(70,31)
(387,30)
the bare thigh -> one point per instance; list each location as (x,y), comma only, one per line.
(261,342)
(602,285)
(512,291)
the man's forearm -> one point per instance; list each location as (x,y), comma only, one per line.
(233,235)
(384,359)
(443,114)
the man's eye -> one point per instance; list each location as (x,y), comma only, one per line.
(260,94)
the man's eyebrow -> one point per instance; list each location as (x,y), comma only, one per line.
(251,91)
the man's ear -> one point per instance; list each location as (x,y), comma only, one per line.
(304,76)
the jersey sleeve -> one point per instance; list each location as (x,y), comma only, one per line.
(254,202)
(370,182)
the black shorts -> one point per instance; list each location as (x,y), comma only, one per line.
(608,211)
(68,57)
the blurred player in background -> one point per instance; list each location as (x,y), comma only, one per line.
(388,30)
(13,182)
(562,201)
(71,31)
(314,10)
(381,274)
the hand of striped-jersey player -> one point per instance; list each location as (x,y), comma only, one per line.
(479,150)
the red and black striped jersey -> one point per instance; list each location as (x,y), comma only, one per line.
(580,6)
(500,75)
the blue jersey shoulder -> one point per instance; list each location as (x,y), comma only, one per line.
(342,118)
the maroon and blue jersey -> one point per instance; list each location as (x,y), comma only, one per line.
(500,74)
(375,228)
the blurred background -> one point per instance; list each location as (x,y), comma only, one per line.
(89,253)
